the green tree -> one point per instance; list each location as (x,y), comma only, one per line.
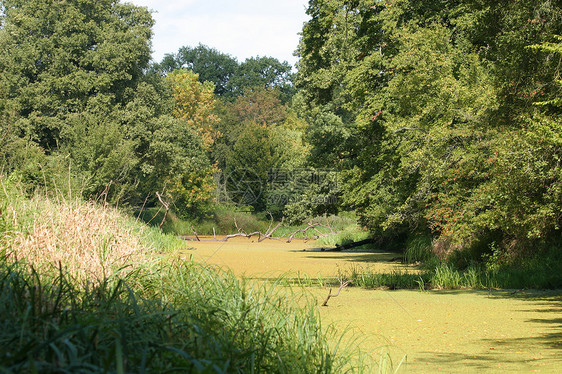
(262,73)
(210,64)
(231,79)
(446,105)
(57,58)
(73,88)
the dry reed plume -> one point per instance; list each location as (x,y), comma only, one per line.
(91,242)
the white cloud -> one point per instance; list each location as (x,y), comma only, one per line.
(242,29)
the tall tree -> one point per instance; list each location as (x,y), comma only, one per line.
(210,64)
(231,78)
(446,103)
(195,104)
(262,72)
(58,58)
(73,88)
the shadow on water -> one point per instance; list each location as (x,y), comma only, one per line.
(359,255)
(470,363)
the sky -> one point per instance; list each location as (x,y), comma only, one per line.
(240,28)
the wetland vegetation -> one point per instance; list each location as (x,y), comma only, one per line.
(427,130)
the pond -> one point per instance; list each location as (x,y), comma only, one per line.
(449,331)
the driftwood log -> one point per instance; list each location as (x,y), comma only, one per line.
(311,226)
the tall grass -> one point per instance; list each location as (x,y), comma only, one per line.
(349,234)
(368,277)
(418,249)
(85,289)
(445,276)
(91,242)
(191,319)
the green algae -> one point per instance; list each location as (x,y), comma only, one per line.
(454,331)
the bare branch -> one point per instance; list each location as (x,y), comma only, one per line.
(195,233)
(242,234)
(270,231)
(165,205)
(342,285)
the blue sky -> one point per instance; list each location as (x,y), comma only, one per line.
(244,28)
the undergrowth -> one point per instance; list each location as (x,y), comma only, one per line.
(184,317)
(349,234)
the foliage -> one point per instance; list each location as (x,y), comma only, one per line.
(209,64)
(75,94)
(263,72)
(231,78)
(443,116)
(195,103)
(113,327)
(349,234)
(58,59)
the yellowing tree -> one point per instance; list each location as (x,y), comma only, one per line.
(195,104)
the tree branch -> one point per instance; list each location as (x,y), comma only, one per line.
(342,285)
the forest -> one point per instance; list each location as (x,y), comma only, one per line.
(435,121)
(434,127)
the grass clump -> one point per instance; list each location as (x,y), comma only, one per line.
(93,242)
(418,249)
(368,277)
(350,234)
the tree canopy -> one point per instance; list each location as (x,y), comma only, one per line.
(447,110)
(437,118)
(231,78)
(74,88)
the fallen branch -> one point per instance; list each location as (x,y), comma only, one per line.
(242,234)
(342,285)
(268,234)
(304,230)
(271,230)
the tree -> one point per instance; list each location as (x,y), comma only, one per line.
(57,58)
(231,79)
(210,65)
(262,73)
(195,104)
(446,105)
(73,88)
(248,166)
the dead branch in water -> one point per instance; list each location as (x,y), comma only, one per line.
(342,285)
(195,233)
(241,234)
(270,231)
(304,230)
(311,225)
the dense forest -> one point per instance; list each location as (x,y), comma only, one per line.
(431,119)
